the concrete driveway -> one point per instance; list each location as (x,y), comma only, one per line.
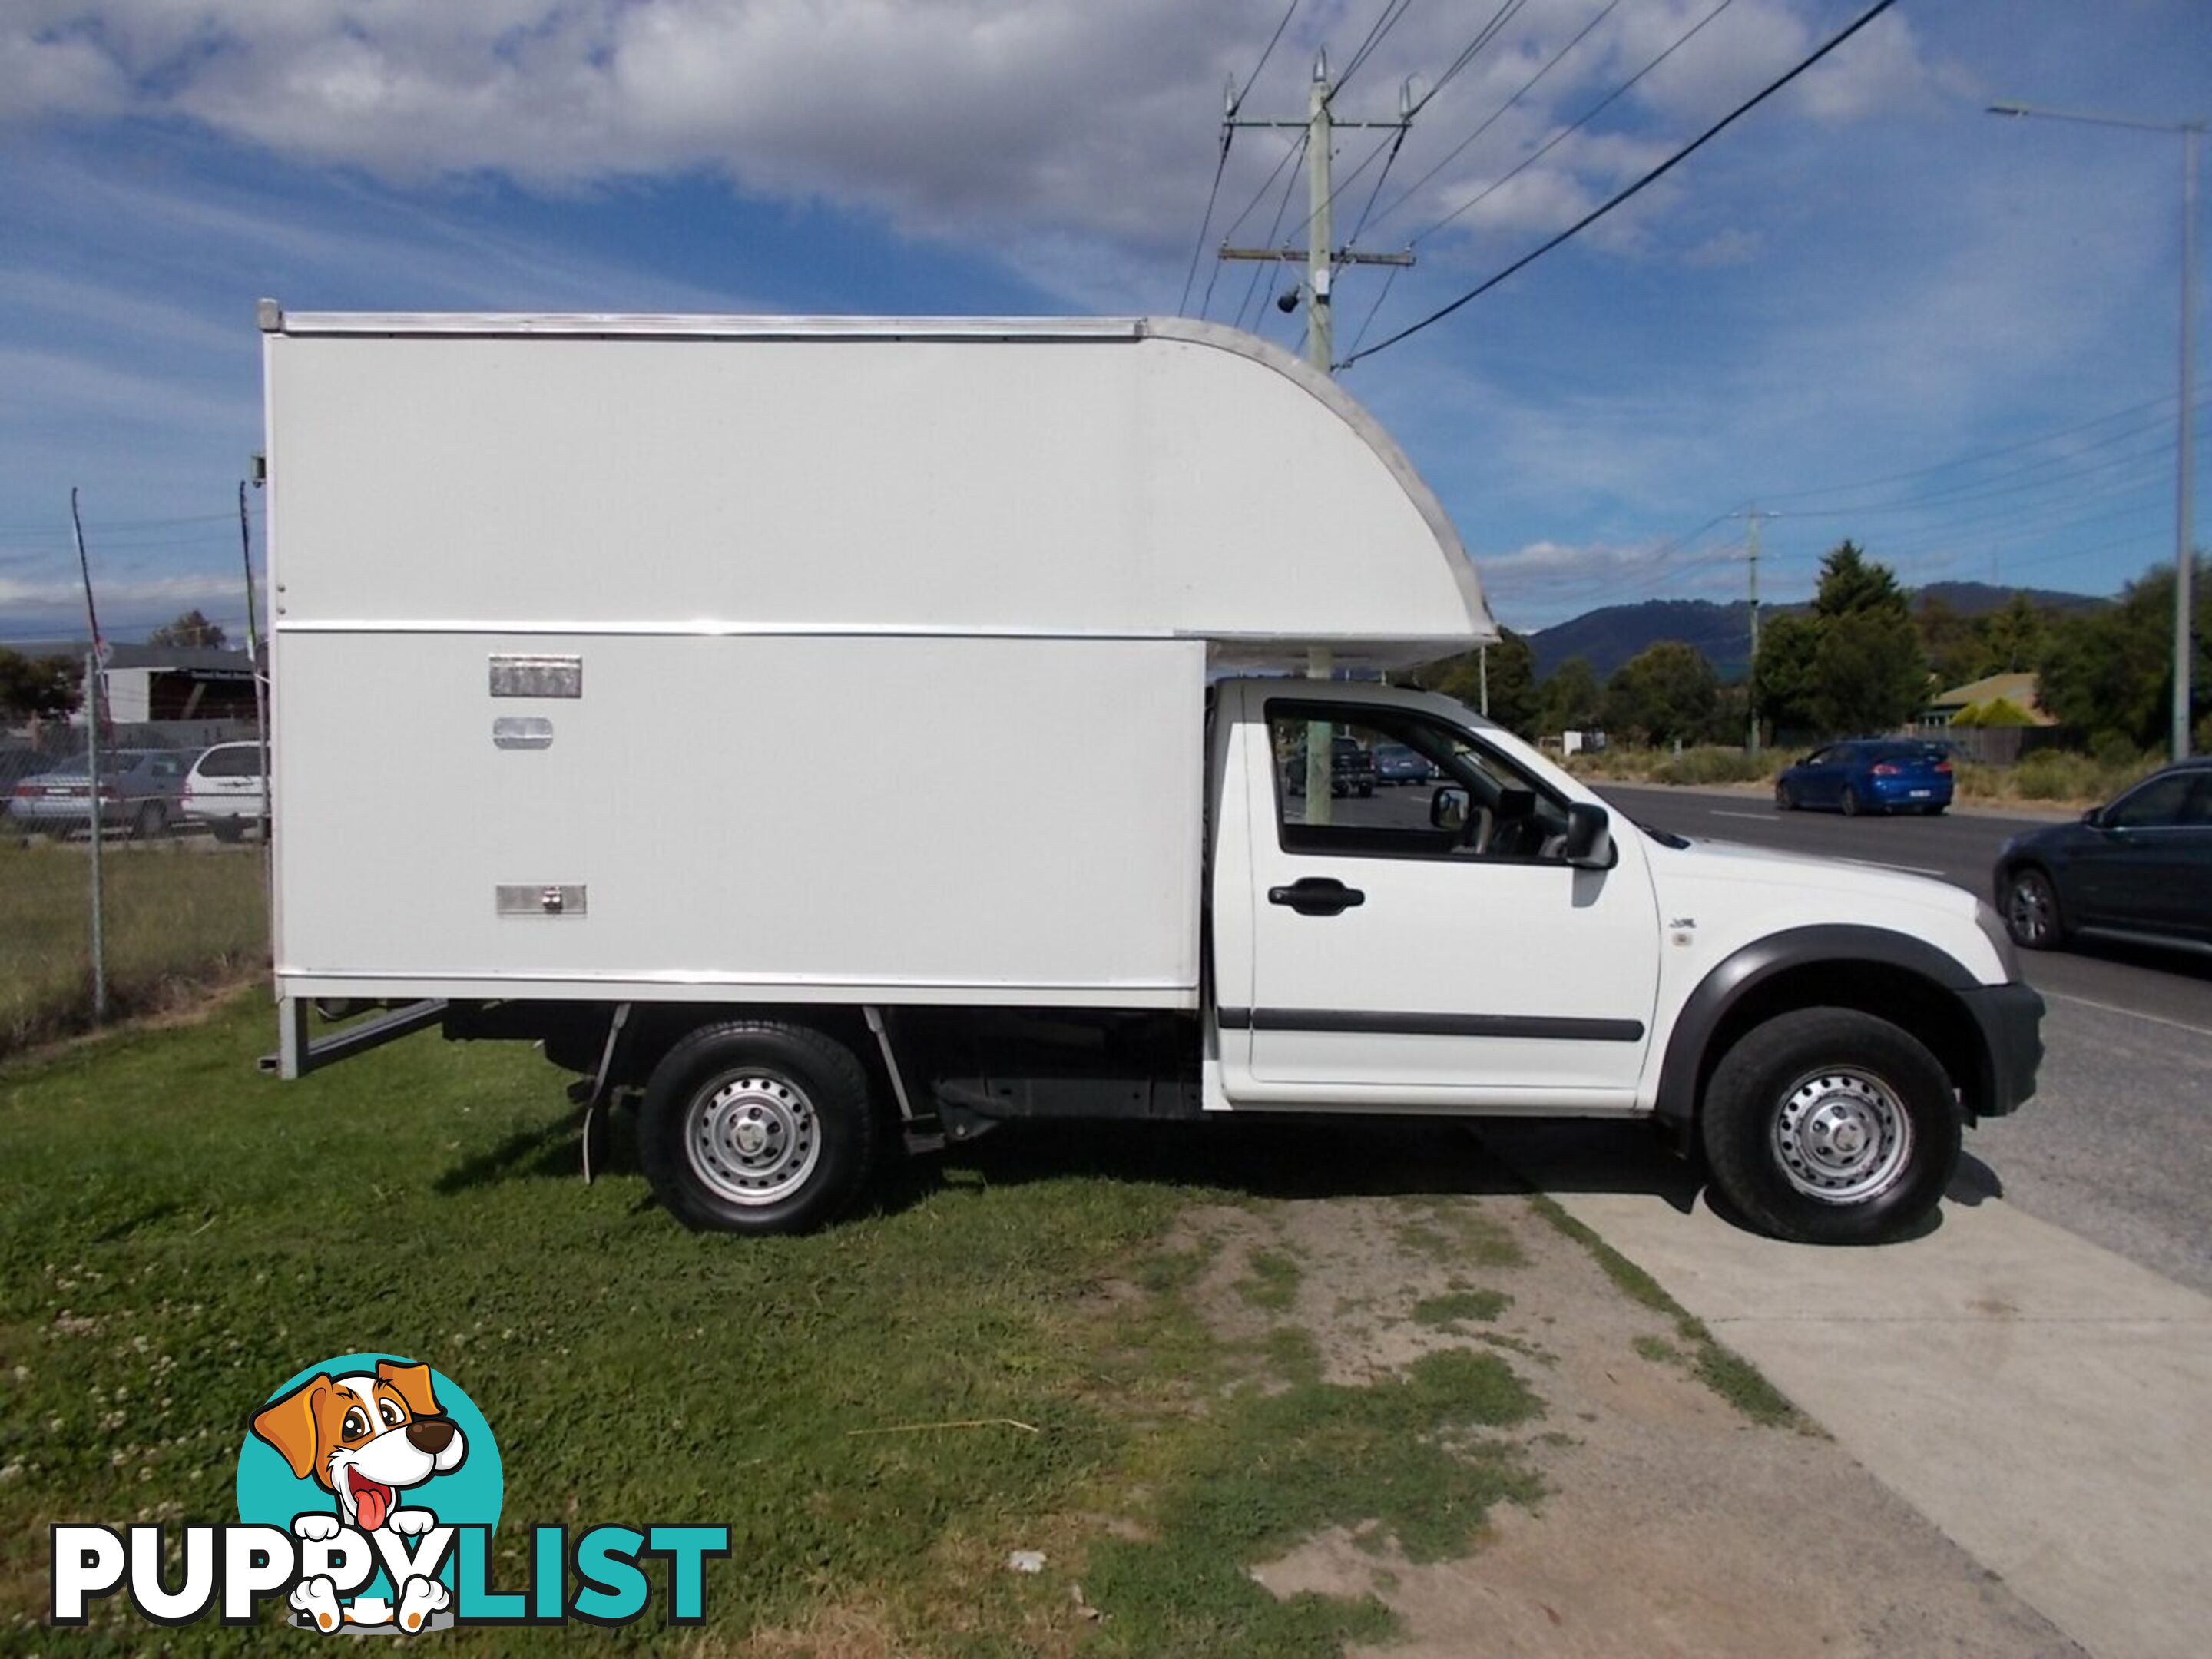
(2041,1400)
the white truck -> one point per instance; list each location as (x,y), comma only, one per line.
(830,732)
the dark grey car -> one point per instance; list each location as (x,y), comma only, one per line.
(2138,867)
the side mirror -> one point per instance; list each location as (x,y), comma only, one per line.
(1589,836)
(1447,810)
(2094,817)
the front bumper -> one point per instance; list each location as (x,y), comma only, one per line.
(2010,1020)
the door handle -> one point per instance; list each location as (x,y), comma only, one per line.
(1317,896)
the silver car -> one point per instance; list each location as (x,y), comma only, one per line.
(138,792)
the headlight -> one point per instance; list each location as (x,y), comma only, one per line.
(1993,929)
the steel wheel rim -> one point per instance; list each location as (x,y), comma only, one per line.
(752,1137)
(2029,909)
(1842,1136)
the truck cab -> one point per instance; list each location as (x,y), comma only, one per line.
(1504,943)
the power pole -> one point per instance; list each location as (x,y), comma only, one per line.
(1321,262)
(1753,518)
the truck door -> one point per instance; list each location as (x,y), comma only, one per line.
(1429,945)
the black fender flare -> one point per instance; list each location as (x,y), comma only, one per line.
(1837,944)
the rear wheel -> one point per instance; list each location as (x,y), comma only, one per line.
(150,821)
(756,1126)
(2031,915)
(1851,803)
(1827,1126)
(227,829)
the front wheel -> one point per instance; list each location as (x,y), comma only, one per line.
(2030,910)
(1785,799)
(1827,1126)
(756,1126)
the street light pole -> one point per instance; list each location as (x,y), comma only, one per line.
(2184,484)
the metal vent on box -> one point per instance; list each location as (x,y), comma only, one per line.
(536,676)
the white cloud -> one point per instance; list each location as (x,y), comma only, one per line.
(1059,116)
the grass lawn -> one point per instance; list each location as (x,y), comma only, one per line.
(178,1234)
(171,916)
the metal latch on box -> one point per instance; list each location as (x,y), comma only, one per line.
(539,899)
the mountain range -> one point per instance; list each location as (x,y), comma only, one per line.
(1610,636)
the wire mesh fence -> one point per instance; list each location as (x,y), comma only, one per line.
(125,892)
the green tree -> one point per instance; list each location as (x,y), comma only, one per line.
(191,631)
(1957,648)
(1666,692)
(1788,676)
(1569,699)
(1870,674)
(38,685)
(1512,681)
(1852,584)
(2013,637)
(2112,669)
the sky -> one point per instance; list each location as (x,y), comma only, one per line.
(1868,308)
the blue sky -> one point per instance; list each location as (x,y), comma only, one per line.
(1832,311)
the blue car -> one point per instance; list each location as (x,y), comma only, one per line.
(1869,774)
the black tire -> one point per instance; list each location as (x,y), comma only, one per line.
(1785,798)
(227,829)
(150,822)
(811,1091)
(1850,802)
(1366,792)
(1880,1080)
(2032,914)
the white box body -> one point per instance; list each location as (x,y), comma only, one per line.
(869,656)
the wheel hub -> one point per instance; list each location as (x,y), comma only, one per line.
(754,1139)
(1843,1137)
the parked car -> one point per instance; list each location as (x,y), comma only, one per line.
(224,790)
(17,763)
(2141,865)
(1394,763)
(138,792)
(1869,774)
(1351,769)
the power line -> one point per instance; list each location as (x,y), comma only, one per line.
(1220,166)
(1492,119)
(1483,37)
(1384,22)
(1642,184)
(1237,102)
(1573,127)
(1290,155)
(1288,185)
(1978,455)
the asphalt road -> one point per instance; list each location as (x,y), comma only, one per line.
(2116,1147)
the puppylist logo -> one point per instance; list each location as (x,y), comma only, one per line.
(368,1487)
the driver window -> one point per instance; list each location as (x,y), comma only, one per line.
(1335,795)
(2156,805)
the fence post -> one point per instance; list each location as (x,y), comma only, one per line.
(92,801)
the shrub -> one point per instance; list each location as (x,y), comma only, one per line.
(1708,765)
(2115,750)
(2054,774)
(1997,711)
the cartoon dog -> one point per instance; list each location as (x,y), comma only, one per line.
(365,1438)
